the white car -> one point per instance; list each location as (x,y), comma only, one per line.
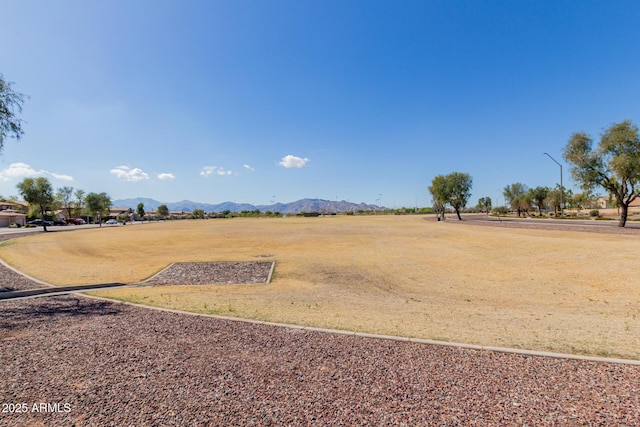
(111,222)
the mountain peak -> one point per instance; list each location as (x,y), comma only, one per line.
(302,205)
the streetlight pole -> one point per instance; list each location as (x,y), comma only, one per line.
(561,187)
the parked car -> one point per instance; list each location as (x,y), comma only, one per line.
(111,222)
(40,222)
(59,222)
(75,221)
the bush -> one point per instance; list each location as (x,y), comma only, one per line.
(14,225)
(594,212)
(499,210)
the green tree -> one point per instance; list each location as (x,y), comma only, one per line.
(10,106)
(79,208)
(582,200)
(512,193)
(614,165)
(38,192)
(538,196)
(65,198)
(453,189)
(98,205)
(440,194)
(484,204)
(163,211)
(522,203)
(554,199)
(198,213)
(567,199)
(140,210)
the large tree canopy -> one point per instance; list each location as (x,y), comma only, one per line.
(614,165)
(538,196)
(10,106)
(514,196)
(163,211)
(37,192)
(98,205)
(64,196)
(453,189)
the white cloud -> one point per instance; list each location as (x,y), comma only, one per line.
(23,170)
(290,161)
(125,173)
(248,168)
(214,170)
(18,170)
(61,177)
(166,176)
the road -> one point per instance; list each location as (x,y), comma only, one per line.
(631,225)
(54,228)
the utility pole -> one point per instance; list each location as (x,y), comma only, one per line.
(561,187)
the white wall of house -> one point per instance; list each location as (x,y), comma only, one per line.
(7,218)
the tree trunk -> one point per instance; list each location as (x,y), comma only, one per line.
(44,224)
(623,214)
(458,213)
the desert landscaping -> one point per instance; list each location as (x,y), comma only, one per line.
(549,290)
(86,361)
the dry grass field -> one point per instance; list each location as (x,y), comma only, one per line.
(544,290)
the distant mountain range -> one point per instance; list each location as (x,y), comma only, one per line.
(303,205)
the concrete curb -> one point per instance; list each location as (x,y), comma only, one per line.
(273,267)
(61,290)
(158,273)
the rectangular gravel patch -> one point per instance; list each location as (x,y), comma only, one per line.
(213,273)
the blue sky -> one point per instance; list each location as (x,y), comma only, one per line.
(260,101)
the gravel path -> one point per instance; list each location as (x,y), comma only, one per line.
(73,360)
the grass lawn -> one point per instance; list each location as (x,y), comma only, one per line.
(398,275)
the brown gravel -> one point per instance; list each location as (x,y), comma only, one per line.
(9,279)
(212,273)
(117,364)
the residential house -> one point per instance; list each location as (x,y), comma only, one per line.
(10,213)
(114,212)
(603,202)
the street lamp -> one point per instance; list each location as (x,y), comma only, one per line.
(561,187)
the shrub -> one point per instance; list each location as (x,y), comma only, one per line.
(499,210)
(594,212)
